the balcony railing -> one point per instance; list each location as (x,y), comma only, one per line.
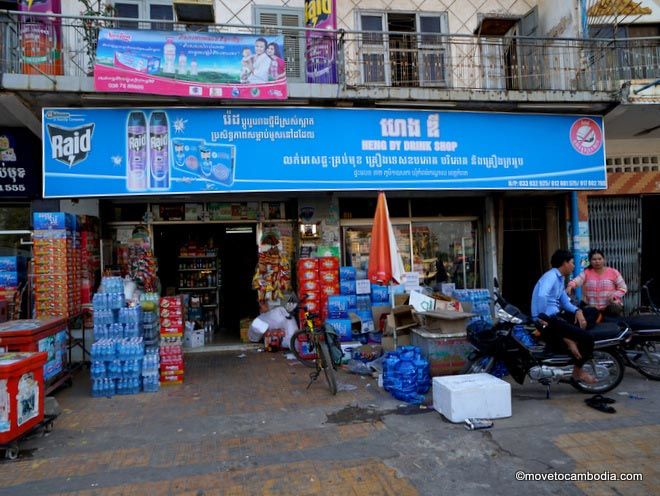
(372,59)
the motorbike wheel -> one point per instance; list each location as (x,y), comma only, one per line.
(643,364)
(613,363)
(481,364)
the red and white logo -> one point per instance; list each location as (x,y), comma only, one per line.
(586,136)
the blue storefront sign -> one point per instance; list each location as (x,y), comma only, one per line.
(155,151)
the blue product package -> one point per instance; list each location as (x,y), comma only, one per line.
(379,294)
(363,302)
(12,264)
(352,301)
(338,306)
(347,273)
(52,221)
(367,321)
(347,287)
(342,326)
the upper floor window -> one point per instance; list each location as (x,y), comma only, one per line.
(294,38)
(403,49)
(145,9)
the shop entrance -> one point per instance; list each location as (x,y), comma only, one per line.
(213,264)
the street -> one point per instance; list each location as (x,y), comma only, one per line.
(243,423)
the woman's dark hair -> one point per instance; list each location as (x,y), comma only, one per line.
(559,257)
(593,252)
(277,48)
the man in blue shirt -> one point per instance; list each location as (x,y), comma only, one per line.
(553,308)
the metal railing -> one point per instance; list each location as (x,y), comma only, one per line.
(366,59)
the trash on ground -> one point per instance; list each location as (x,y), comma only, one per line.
(473,424)
(242,355)
(346,387)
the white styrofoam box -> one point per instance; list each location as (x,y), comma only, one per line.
(459,397)
(193,339)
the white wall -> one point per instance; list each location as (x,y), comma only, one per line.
(559,19)
(632,147)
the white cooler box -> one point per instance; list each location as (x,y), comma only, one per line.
(459,397)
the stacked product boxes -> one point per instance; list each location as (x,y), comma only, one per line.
(57,265)
(171,343)
(328,282)
(318,278)
(12,275)
(309,287)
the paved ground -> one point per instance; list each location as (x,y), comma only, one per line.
(244,426)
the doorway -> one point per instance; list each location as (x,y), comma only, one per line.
(233,267)
(239,259)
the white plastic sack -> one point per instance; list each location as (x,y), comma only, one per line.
(277,319)
(257,330)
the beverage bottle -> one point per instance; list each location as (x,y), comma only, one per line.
(183,60)
(193,67)
(169,56)
(136,163)
(159,157)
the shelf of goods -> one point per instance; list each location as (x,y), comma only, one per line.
(201,273)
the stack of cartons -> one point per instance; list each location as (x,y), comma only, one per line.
(171,346)
(57,265)
(309,287)
(12,274)
(328,282)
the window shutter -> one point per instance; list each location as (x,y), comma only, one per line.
(294,40)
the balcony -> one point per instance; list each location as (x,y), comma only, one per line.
(373,66)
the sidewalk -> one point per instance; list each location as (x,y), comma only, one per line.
(244,423)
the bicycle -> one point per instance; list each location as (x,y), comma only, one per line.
(310,346)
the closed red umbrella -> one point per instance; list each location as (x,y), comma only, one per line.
(385,264)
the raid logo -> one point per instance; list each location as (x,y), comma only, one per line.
(70,145)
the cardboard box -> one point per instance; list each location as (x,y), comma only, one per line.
(377,312)
(401,299)
(194,339)
(387,342)
(363,287)
(444,321)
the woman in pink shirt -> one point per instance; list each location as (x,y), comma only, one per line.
(603,286)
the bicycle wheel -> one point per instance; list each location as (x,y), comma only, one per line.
(328,369)
(302,347)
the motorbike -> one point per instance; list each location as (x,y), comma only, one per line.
(509,347)
(642,353)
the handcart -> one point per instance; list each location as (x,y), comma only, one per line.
(22,398)
(12,448)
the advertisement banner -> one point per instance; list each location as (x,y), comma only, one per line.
(141,151)
(41,38)
(321,44)
(204,65)
(18,163)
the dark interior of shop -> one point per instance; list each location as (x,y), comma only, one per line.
(650,247)
(236,259)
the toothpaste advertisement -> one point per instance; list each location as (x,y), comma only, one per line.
(91,152)
(204,65)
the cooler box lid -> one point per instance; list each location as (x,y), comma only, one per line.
(12,362)
(30,327)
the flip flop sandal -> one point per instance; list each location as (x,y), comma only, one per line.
(603,399)
(600,406)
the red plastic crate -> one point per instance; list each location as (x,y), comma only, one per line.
(22,383)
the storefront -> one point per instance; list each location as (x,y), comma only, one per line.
(210,184)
